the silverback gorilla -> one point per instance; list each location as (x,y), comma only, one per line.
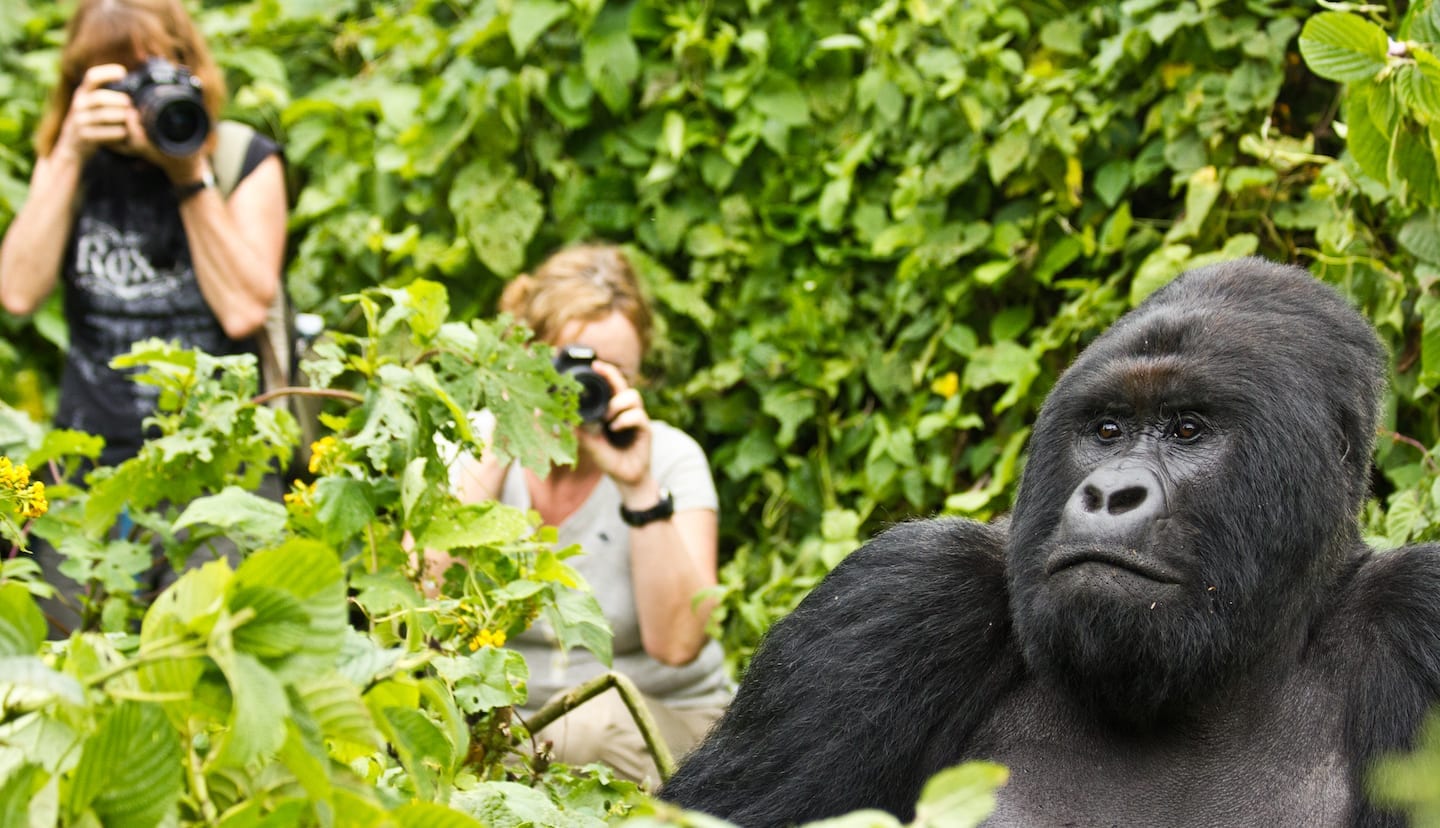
(1177,625)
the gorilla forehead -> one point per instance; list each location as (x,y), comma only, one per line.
(1248,329)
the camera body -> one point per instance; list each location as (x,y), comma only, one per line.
(575,362)
(171,106)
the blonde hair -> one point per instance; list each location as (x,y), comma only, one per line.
(584,283)
(127,32)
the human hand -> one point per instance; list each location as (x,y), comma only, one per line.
(627,464)
(97,116)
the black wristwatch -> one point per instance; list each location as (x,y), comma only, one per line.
(187,191)
(660,511)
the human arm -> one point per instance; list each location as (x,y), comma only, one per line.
(34,245)
(237,245)
(671,561)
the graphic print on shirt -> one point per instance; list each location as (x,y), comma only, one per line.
(109,263)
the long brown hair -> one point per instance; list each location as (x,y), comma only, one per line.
(583,283)
(127,32)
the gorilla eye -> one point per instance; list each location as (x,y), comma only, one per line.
(1108,430)
(1187,429)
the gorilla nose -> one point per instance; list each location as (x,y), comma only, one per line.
(1113,505)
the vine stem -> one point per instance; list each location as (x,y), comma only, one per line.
(296,391)
(634,702)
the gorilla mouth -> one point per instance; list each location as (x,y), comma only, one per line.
(1130,560)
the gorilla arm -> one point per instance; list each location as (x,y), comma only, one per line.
(880,673)
(1391,620)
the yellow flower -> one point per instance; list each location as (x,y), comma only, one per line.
(301,496)
(319,450)
(32,500)
(487,638)
(946,386)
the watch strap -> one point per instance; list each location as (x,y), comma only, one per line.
(660,511)
(185,192)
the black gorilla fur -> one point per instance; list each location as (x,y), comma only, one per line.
(1178,625)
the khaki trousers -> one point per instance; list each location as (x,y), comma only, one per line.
(602,730)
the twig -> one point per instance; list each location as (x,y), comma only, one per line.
(298,391)
(556,708)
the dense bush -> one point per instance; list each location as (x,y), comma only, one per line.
(878,230)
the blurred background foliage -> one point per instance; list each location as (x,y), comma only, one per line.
(877,230)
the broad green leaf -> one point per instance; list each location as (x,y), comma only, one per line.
(301,575)
(497,212)
(130,771)
(529,19)
(257,520)
(344,506)
(578,621)
(475,524)
(431,815)
(1201,191)
(422,746)
(609,56)
(22,625)
(17,787)
(334,703)
(1343,47)
(490,677)
(512,805)
(258,709)
(27,681)
(960,797)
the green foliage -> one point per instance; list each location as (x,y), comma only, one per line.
(876,231)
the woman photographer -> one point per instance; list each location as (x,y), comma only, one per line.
(641,504)
(141,241)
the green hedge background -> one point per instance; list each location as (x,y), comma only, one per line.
(877,230)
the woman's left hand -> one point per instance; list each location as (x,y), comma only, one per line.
(628,466)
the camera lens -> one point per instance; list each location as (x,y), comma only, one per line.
(594,394)
(177,126)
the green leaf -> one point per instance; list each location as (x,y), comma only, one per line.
(22,625)
(301,575)
(129,773)
(512,805)
(497,212)
(578,621)
(257,520)
(529,19)
(343,506)
(609,56)
(490,677)
(476,524)
(431,815)
(422,746)
(960,797)
(1343,47)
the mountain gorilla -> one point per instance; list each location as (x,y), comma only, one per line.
(1178,625)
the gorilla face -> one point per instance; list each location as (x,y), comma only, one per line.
(1192,482)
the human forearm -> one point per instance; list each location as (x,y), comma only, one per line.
(671,563)
(34,246)
(237,246)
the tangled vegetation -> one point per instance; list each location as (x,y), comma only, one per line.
(877,232)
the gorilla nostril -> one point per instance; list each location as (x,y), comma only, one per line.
(1091,498)
(1125,500)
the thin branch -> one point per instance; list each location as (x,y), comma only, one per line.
(634,702)
(298,391)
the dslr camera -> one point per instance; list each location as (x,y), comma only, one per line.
(172,110)
(574,361)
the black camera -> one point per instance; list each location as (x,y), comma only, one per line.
(595,392)
(171,107)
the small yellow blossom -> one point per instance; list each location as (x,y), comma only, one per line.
(946,386)
(487,638)
(320,451)
(12,476)
(301,496)
(32,500)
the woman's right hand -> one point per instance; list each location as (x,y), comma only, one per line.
(98,116)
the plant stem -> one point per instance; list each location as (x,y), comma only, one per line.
(634,702)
